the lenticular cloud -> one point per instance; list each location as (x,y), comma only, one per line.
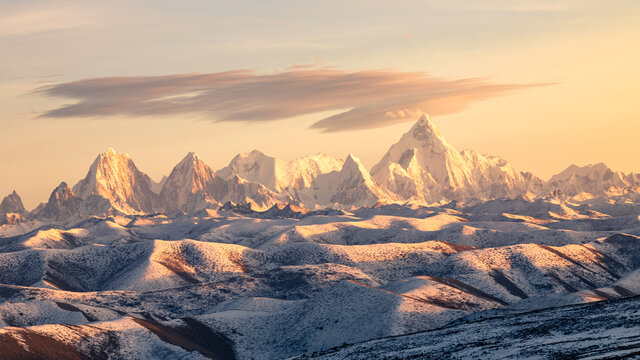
(367,99)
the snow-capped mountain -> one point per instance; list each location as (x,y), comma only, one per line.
(116,178)
(193,185)
(424,167)
(276,174)
(238,190)
(352,186)
(96,275)
(421,168)
(593,181)
(186,187)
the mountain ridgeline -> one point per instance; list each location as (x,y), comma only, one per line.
(421,168)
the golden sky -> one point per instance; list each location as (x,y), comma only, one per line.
(584,52)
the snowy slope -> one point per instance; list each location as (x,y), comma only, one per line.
(570,332)
(269,260)
(278,175)
(424,167)
(289,281)
(186,186)
(193,185)
(591,181)
(352,186)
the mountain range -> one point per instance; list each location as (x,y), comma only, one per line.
(435,253)
(421,168)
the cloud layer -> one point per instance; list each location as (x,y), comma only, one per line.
(368,99)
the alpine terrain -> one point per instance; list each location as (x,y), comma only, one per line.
(433,253)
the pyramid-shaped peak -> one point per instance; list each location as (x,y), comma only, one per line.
(191,165)
(191,157)
(62,192)
(351,162)
(425,132)
(425,119)
(12,203)
(352,166)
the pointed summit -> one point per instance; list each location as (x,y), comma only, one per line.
(62,192)
(186,187)
(424,134)
(352,186)
(351,161)
(116,178)
(63,204)
(192,186)
(423,166)
(12,203)
(353,167)
(424,128)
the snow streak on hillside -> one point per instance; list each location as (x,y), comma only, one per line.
(434,254)
(234,283)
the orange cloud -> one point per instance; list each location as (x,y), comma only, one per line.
(374,98)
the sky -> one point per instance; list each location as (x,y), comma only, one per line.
(543,84)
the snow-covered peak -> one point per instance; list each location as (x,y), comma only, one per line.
(254,166)
(116,178)
(193,186)
(591,181)
(353,167)
(424,167)
(352,186)
(278,175)
(186,187)
(592,171)
(423,134)
(192,162)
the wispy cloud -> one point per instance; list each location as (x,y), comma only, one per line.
(36,21)
(369,99)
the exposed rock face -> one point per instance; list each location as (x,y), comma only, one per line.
(186,187)
(65,205)
(12,210)
(193,186)
(116,178)
(12,203)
